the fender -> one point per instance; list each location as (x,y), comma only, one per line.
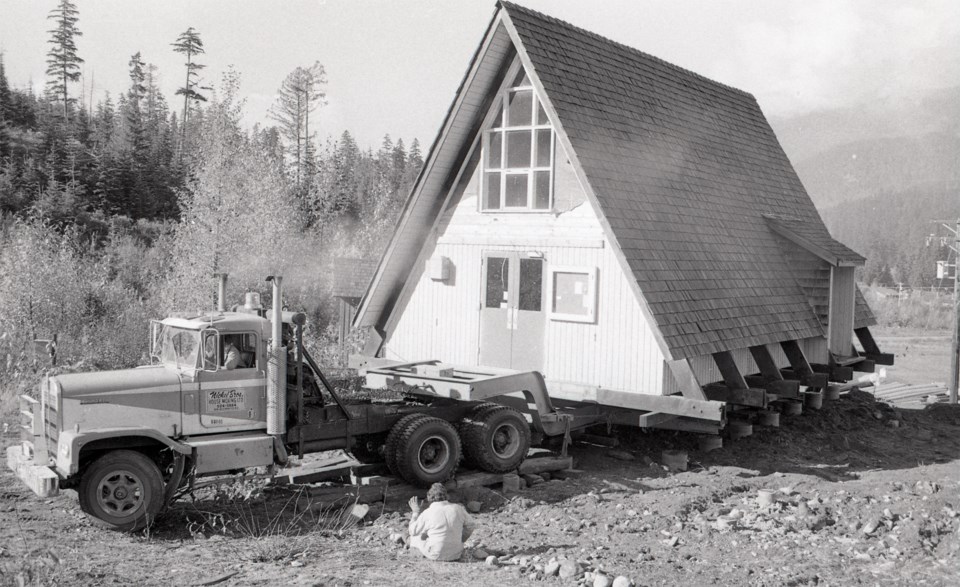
(71,443)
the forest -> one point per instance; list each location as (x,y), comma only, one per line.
(118,212)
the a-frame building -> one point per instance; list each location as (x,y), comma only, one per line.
(622,225)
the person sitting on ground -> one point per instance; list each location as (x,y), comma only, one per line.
(231,354)
(439,532)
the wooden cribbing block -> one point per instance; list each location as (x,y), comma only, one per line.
(864,366)
(539,465)
(748,396)
(347,493)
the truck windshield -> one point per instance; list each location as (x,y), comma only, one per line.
(179,347)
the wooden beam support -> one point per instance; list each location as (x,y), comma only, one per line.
(686,379)
(729,370)
(651,419)
(782,388)
(766,364)
(818,380)
(870,348)
(800,367)
(754,397)
(865,366)
(840,373)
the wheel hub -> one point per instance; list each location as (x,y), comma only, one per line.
(505,441)
(120,493)
(433,454)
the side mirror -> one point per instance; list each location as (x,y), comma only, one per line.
(210,352)
(156,329)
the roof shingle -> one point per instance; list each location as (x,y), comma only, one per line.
(684,169)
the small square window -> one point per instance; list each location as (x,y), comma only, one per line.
(573,294)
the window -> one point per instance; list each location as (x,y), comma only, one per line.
(573,294)
(518,152)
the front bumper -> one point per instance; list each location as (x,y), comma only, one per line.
(41,479)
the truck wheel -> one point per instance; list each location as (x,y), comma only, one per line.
(393,439)
(428,451)
(495,440)
(122,490)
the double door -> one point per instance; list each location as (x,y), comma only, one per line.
(512,316)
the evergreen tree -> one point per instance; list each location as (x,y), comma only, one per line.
(189,44)
(63,63)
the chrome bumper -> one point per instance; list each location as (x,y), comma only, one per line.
(41,479)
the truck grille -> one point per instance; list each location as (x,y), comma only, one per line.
(51,433)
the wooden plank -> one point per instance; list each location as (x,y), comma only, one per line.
(800,368)
(754,397)
(672,404)
(609,441)
(766,364)
(686,380)
(729,370)
(864,366)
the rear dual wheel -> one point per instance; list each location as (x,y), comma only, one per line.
(495,438)
(423,450)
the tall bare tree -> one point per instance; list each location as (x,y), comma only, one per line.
(189,44)
(299,95)
(63,63)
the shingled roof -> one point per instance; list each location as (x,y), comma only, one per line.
(684,169)
(681,168)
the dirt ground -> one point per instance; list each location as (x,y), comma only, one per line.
(861,494)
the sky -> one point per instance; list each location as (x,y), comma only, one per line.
(393,65)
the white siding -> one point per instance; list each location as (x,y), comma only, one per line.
(441,320)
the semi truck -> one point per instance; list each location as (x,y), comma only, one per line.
(228,391)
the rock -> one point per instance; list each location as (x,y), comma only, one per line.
(878,414)
(926,487)
(620,455)
(674,460)
(601,580)
(396,538)
(474,507)
(491,561)
(622,581)
(359,511)
(803,510)
(765,498)
(893,423)
(551,568)
(568,569)
(870,527)
(481,554)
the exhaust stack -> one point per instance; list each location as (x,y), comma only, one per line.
(221,292)
(277,365)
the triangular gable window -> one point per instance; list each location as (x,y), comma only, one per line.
(518,152)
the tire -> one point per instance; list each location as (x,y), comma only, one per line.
(393,439)
(367,449)
(122,490)
(495,440)
(468,421)
(428,451)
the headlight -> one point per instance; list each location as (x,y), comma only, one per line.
(65,450)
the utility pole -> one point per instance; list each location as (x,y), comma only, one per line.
(955,347)
(945,267)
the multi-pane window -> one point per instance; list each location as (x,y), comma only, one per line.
(518,152)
